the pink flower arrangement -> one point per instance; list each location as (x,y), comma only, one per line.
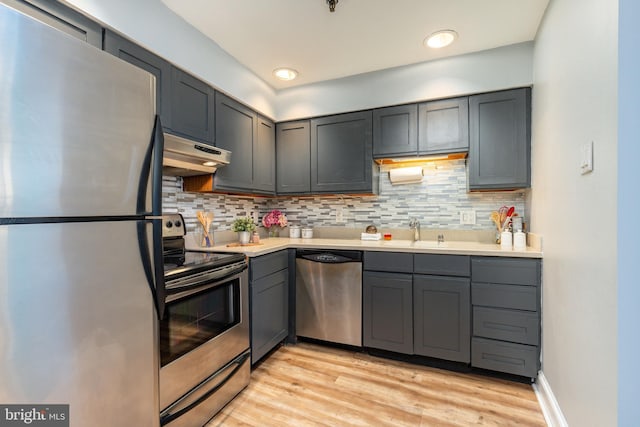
(273,218)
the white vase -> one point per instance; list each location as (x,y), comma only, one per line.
(244,237)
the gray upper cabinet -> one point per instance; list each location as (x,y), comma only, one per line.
(264,157)
(443,126)
(293,157)
(192,107)
(61,17)
(251,140)
(142,58)
(342,153)
(500,140)
(395,131)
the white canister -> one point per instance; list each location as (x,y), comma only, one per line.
(294,231)
(307,233)
(519,241)
(505,240)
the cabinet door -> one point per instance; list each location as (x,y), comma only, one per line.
(236,128)
(62,18)
(387,311)
(500,140)
(142,58)
(395,131)
(293,154)
(443,126)
(192,107)
(264,157)
(269,313)
(342,153)
(442,317)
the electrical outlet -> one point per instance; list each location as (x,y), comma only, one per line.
(339,214)
(468,217)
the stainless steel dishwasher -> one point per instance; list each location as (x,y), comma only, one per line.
(329,295)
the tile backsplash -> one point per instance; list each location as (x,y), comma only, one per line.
(436,202)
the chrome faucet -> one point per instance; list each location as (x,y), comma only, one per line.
(415,225)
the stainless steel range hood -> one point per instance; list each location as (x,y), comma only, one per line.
(184,157)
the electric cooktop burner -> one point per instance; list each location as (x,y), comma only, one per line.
(178,262)
(202,260)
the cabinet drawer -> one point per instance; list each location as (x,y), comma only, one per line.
(516,271)
(517,359)
(442,265)
(267,264)
(505,296)
(508,325)
(396,262)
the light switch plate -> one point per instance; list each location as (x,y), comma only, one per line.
(586,158)
(339,214)
(468,217)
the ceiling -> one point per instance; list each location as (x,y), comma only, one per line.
(359,37)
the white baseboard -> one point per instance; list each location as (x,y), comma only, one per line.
(550,408)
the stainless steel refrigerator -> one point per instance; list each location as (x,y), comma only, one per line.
(80,250)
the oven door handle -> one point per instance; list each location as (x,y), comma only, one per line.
(195,283)
(168,415)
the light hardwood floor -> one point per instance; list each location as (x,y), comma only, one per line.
(312,385)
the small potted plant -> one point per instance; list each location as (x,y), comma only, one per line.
(244,227)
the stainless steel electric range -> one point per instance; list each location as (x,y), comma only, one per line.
(204,331)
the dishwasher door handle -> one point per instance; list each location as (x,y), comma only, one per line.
(331,257)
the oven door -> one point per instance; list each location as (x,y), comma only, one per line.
(205,327)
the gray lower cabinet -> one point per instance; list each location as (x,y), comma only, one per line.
(441,317)
(387,311)
(505,296)
(293,158)
(500,140)
(342,153)
(417,304)
(142,58)
(192,107)
(61,17)
(443,126)
(269,302)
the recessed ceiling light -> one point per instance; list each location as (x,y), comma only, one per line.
(285,73)
(440,39)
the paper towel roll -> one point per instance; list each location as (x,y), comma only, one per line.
(405,175)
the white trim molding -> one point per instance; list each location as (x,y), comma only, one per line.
(550,408)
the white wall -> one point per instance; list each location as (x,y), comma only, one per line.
(574,102)
(628,202)
(151,24)
(485,71)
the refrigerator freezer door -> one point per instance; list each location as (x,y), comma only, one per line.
(75,125)
(77,322)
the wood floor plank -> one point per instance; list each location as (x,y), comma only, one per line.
(312,385)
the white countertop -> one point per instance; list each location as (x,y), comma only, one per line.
(268,245)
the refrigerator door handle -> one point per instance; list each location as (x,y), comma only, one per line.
(152,166)
(152,258)
(154,271)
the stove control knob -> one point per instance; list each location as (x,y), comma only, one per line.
(168,224)
(177,224)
